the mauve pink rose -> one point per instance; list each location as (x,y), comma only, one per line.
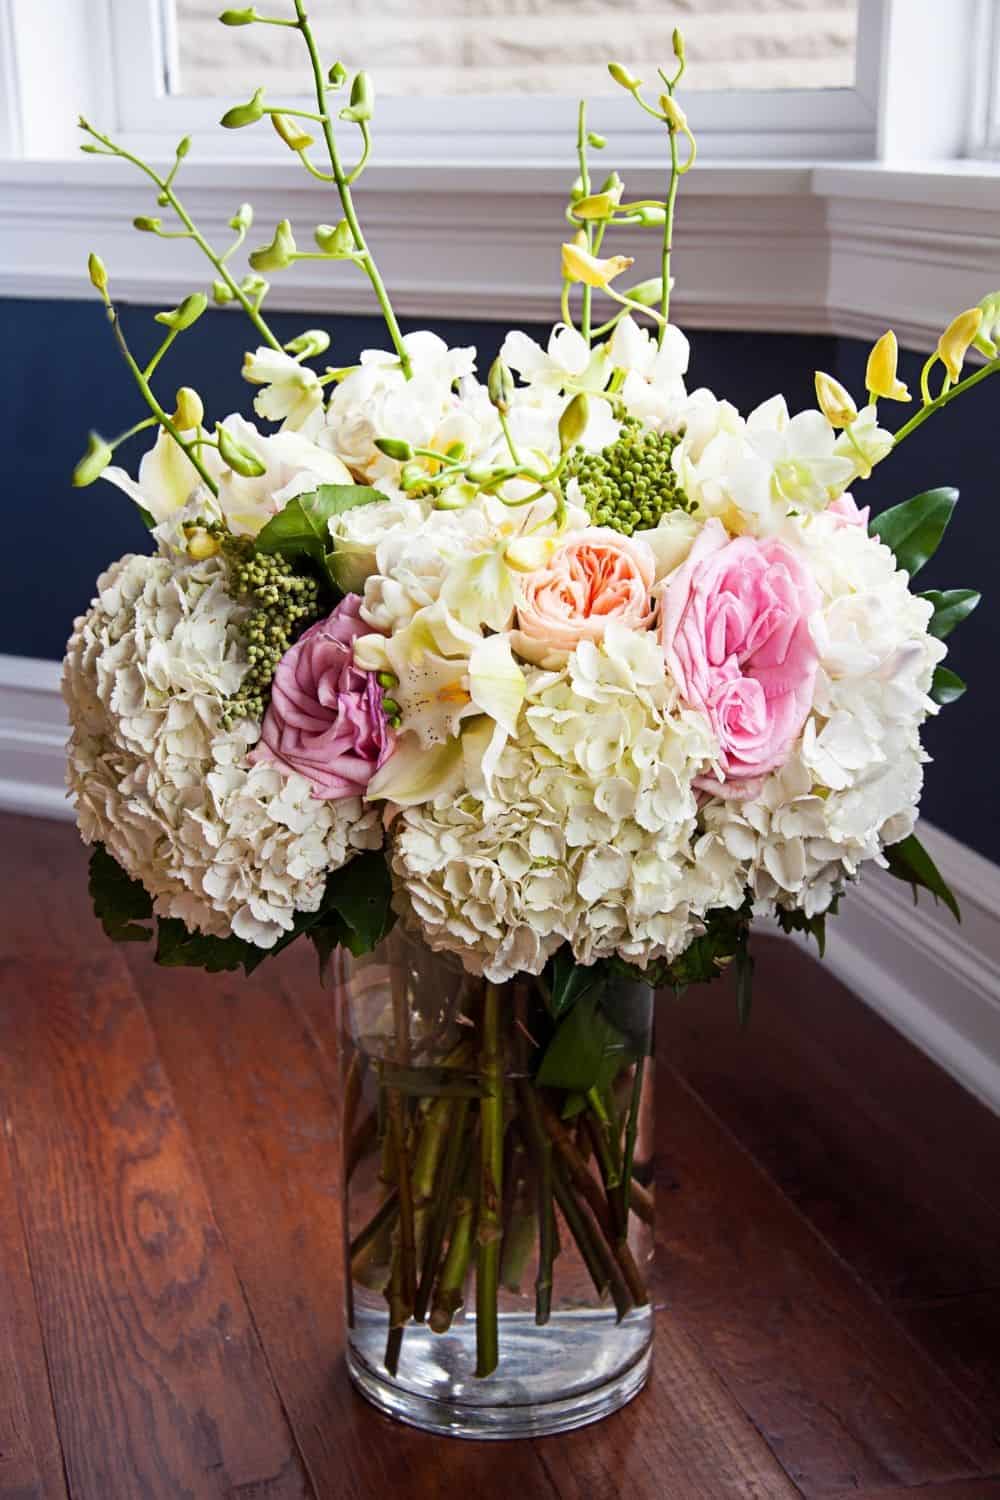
(734,622)
(593,577)
(846,510)
(325,718)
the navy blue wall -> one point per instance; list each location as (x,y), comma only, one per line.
(67,377)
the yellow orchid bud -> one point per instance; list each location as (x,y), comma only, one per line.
(579,265)
(190,410)
(623,77)
(673,114)
(597,205)
(989,328)
(573,422)
(201,543)
(678,43)
(98,272)
(880,376)
(834,401)
(527,553)
(93,463)
(953,345)
(291,132)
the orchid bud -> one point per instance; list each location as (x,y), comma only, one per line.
(183,147)
(93,463)
(834,401)
(953,345)
(395,448)
(880,375)
(650,214)
(146,225)
(647,293)
(277,255)
(500,386)
(573,422)
(190,411)
(201,543)
(412,476)
(597,205)
(291,132)
(182,316)
(597,141)
(337,75)
(245,114)
(254,286)
(242,218)
(221,293)
(985,340)
(362,105)
(579,265)
(623,77)
(240,459)
(334,239)
(98,272)
(239,17)
(673,114)
(678,43)
(307,345)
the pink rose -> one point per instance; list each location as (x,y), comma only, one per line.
(325,718)
(846,510)
(593,577)
(734,622)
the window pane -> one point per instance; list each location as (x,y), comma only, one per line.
(525,46)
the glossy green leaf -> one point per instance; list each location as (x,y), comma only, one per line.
(569,981)
(579,1051)
(360,895)
(946,686)
(913,530)
(951,607)
(120,903)
(302,529)
(176,947)
(910,861)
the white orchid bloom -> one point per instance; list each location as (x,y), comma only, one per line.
(167,477)
(806,472)
(654,375)
(430,358)
(864,443)
(293,465)
(291,392)
(567,359)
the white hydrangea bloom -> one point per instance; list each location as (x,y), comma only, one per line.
(853,781)
(224,846)
(587,833)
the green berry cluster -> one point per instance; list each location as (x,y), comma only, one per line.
(631,483)
(284,604)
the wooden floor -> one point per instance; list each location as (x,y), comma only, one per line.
(170,1325)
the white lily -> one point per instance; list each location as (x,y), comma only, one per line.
(167,477)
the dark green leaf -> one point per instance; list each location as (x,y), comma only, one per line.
(946,686)
(580,1049)
(120,903)
(951,607)
(302,529)
(569,981)
(705,958)
(814,927)
(914,529)
(360,894)
(910,861)
(176,947)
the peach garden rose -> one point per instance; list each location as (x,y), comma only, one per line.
(593,577)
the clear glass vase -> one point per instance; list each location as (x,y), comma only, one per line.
(498,1221)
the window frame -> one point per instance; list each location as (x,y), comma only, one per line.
(813,124)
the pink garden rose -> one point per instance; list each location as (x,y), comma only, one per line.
(846,510)
(325,718)
(593,577)
(734,622)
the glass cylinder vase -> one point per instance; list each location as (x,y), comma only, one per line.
(498,1210)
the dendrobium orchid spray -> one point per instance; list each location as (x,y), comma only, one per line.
(519,700)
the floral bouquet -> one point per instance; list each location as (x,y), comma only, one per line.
(571,676)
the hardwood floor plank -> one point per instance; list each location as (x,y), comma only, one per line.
(964,1333)
(973,1489)
(822,1369)
(30,1456)
(256,1094)
(160,1386)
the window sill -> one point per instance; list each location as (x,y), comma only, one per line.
(832,247)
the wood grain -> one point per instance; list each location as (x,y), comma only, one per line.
(159,1382)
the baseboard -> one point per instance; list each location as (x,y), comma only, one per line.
(936,982)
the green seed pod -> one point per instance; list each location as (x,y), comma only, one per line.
(239,459)
(314,341)
(500,386)
(146,225)
(93,463)
(245,114)
(277,255)
(188,312)
(98,272)
(395,448)
(573,422)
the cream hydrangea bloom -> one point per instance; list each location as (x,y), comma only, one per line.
(222,845)
(586,833)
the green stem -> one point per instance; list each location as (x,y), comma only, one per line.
(457,1156)
(631,1130)
(383,1215)
(541,1145)
(581,151)
(131,431)
(945,397)
(188,449)
(217,261)
(366,258)
(668,236)
(491,1133)
(448,1293)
